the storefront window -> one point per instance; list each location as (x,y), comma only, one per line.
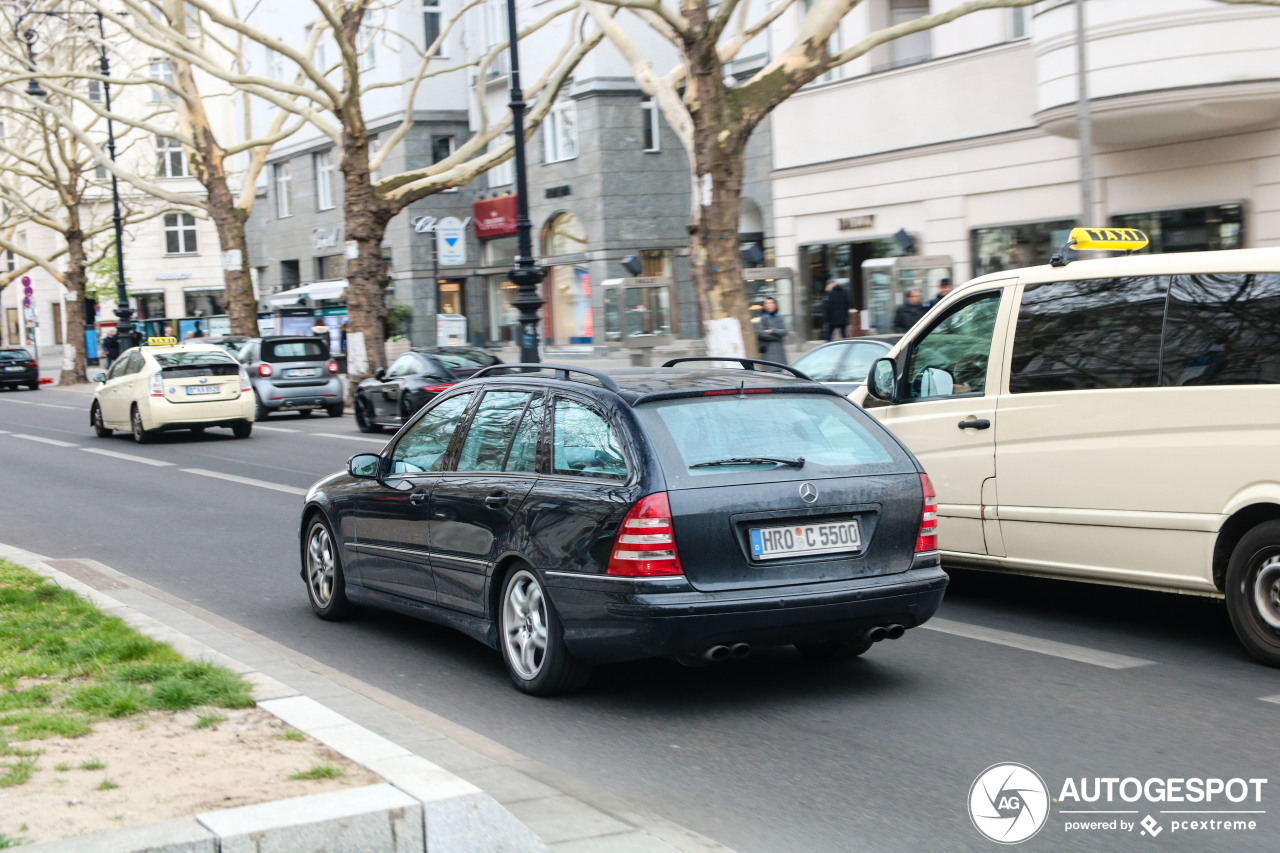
(150,306)
(1007,247)
(657,262)
(204,303)
(568,286)
(331,267)
(843,262)
(1197,229)
(503,317)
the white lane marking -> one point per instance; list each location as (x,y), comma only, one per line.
(45,405)
(275,429)
(248,481)
(1275,699)
(126,456)
(52,441)
(351,437)
(1035,644)
(4,432)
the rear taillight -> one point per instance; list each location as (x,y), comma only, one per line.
(927,539)
(645,546)
(244,382)
(32,364)
(157,384)
(333,366)
(438,388)
(265,370)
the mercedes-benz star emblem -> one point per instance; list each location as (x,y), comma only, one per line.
(808,493)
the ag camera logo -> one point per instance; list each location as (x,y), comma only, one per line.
(1008,803)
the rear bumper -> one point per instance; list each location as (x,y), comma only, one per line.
(300,397)
(158,413)
(24,378)
(607,620)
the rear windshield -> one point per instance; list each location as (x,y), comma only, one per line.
(307,349)
(192,359)
(824,431)
(14,355)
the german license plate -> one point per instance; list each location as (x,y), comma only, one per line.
(14,368)
(295,372)
(202,389)
(798,540)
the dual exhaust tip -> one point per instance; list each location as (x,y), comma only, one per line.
(884,632)
(719,653)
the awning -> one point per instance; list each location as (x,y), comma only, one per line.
(316,291)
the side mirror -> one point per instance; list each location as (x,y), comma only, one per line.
(380,374)
(99,377)
(883,380)
(364,465)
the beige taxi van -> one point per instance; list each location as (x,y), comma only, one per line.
(1114,420)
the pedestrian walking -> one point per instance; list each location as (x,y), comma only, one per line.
(111,348)
(836,310)
(909,312)
(944,287)
(770,332)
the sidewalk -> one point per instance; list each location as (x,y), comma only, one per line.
(465,792)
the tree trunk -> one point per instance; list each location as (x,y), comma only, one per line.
(75,369)
(365,216)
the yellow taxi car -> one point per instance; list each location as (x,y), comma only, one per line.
(166,386)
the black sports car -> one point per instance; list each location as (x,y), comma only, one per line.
(395,394)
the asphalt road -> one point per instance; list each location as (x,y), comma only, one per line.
(768,754)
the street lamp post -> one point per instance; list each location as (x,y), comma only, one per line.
(525,275)
(124,314)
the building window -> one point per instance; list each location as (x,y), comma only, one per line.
(95,88)
(204,303)
(657,262)
(375,145)
(275,65)
(284,189)
(150,306)
(172,158)
(1012,246)
(331,266)
(495,32)
(833,45)
(652,129)
(366,46)
(322,165)
(1020,22)
(162,71)
(441,148)
(560,133)
(179,234)
(100,173)
(1196,229)
(504,173)
(917,47)
(431,25)
(290,274)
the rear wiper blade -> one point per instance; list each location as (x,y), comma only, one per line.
(798,462)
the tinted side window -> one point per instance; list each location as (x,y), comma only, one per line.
(492,426)
(1223,330)
(821,364)
(951,359)
(585,444)
(136,363)
(524,448)
(1081,335)
(858,363)
(423,447)
(403,366)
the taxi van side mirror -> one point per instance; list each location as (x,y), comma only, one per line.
(366,466)
(99,377)
(882,382)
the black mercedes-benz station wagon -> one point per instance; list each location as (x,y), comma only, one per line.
(569,518)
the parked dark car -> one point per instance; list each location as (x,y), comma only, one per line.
(570,518)
(18,367)
(392,396)
(292,373)
(844,365)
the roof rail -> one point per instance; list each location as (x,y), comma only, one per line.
(562,371)
(747,363)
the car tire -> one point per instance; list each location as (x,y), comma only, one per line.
(336,411)
(99,426)
(1253,591)
(260,412)
(242,429)
(846,648)
(526,619)
(140,435)
(405,408)
(363,418)
(322,570)
(34,386)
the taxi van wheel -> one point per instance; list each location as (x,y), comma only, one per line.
(336,411)
(322,565)
(1253,592)
(99,426)
(531,639)
(260,411)
(363,419)
(242,429)
(140,435)
(846,648)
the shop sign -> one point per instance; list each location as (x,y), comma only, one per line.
(451,243)
(855,223)
(171,276)
(495,217)
(325,238)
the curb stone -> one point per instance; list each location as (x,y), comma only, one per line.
(515,806)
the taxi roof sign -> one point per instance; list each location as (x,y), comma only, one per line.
(162,342)
(1108,239)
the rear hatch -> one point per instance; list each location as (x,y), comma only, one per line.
(850,509)
(297,362)
(196,377)
(16,362)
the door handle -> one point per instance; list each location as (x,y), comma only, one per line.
(419,497)
(497,500)
(975,423)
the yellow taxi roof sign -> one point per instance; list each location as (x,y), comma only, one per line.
(1108,239)
(162,342)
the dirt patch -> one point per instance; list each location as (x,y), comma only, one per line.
(158,765)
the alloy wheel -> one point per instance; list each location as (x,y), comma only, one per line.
(320,564)
(524,625)
(1266,591)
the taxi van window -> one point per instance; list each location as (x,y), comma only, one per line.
(951,359)
(1223,330)
(423,447)
(1084,335)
